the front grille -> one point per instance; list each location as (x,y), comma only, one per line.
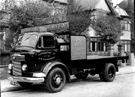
(17,68)
(18,57)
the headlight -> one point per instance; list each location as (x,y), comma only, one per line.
(10,66)
(24,67)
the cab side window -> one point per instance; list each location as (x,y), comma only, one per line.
(46,42)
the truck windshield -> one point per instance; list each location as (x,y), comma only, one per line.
(27,39)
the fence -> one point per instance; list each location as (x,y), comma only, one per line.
(100,53)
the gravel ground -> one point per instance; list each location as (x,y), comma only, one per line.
(122,86)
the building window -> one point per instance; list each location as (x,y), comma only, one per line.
(127,45)
(101,46)
(93,46)
(96,45)
(125,25)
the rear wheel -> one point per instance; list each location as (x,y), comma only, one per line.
(101,77)
(24,84)
(108,73)
(55,80)
(81,75)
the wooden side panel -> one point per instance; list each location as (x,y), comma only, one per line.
(78,47)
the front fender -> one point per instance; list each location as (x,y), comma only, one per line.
(50,65)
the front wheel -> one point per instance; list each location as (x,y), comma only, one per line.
(108,73)
(55,80)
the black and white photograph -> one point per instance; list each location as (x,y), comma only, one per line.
(67,48)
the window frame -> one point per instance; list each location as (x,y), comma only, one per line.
(55,43)
(125,25)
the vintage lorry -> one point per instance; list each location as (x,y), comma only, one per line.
(46,57)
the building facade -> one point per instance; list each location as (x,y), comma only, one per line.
(99,8)
(128,6)
(125,21)
(4,17)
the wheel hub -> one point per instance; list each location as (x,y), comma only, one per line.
(57,79)
(110,73)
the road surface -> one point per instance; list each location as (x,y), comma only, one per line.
(122,86)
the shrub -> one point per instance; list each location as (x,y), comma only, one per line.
(108,28)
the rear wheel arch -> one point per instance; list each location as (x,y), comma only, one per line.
(112,61)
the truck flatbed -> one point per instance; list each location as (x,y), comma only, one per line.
(99,57)
(95,57)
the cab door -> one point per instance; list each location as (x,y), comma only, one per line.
(48,47)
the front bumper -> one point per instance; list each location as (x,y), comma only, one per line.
(26,79)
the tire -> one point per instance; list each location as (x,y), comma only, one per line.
(101,77)
(24,84)
(55,80)
(81,75)
(109,72)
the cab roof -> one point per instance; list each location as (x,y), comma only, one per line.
(41,33)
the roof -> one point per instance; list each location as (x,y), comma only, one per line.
(112,8)
(88,4)
(58,27)
(62,1)
(92,4)
(121,11)
(4,18)
(4,23)
(40,33)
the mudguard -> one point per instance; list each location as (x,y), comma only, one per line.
(50,65)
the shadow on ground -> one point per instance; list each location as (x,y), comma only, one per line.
(40,88)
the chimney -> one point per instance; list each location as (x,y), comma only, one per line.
(130,4)
(70,6)
(111,2)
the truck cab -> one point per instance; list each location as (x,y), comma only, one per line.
(34,56)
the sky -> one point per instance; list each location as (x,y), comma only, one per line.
(115,2)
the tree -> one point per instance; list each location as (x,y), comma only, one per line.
(5,6)
(33,13)
(78,17)
(27,15)
(108,28)
(79,21)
